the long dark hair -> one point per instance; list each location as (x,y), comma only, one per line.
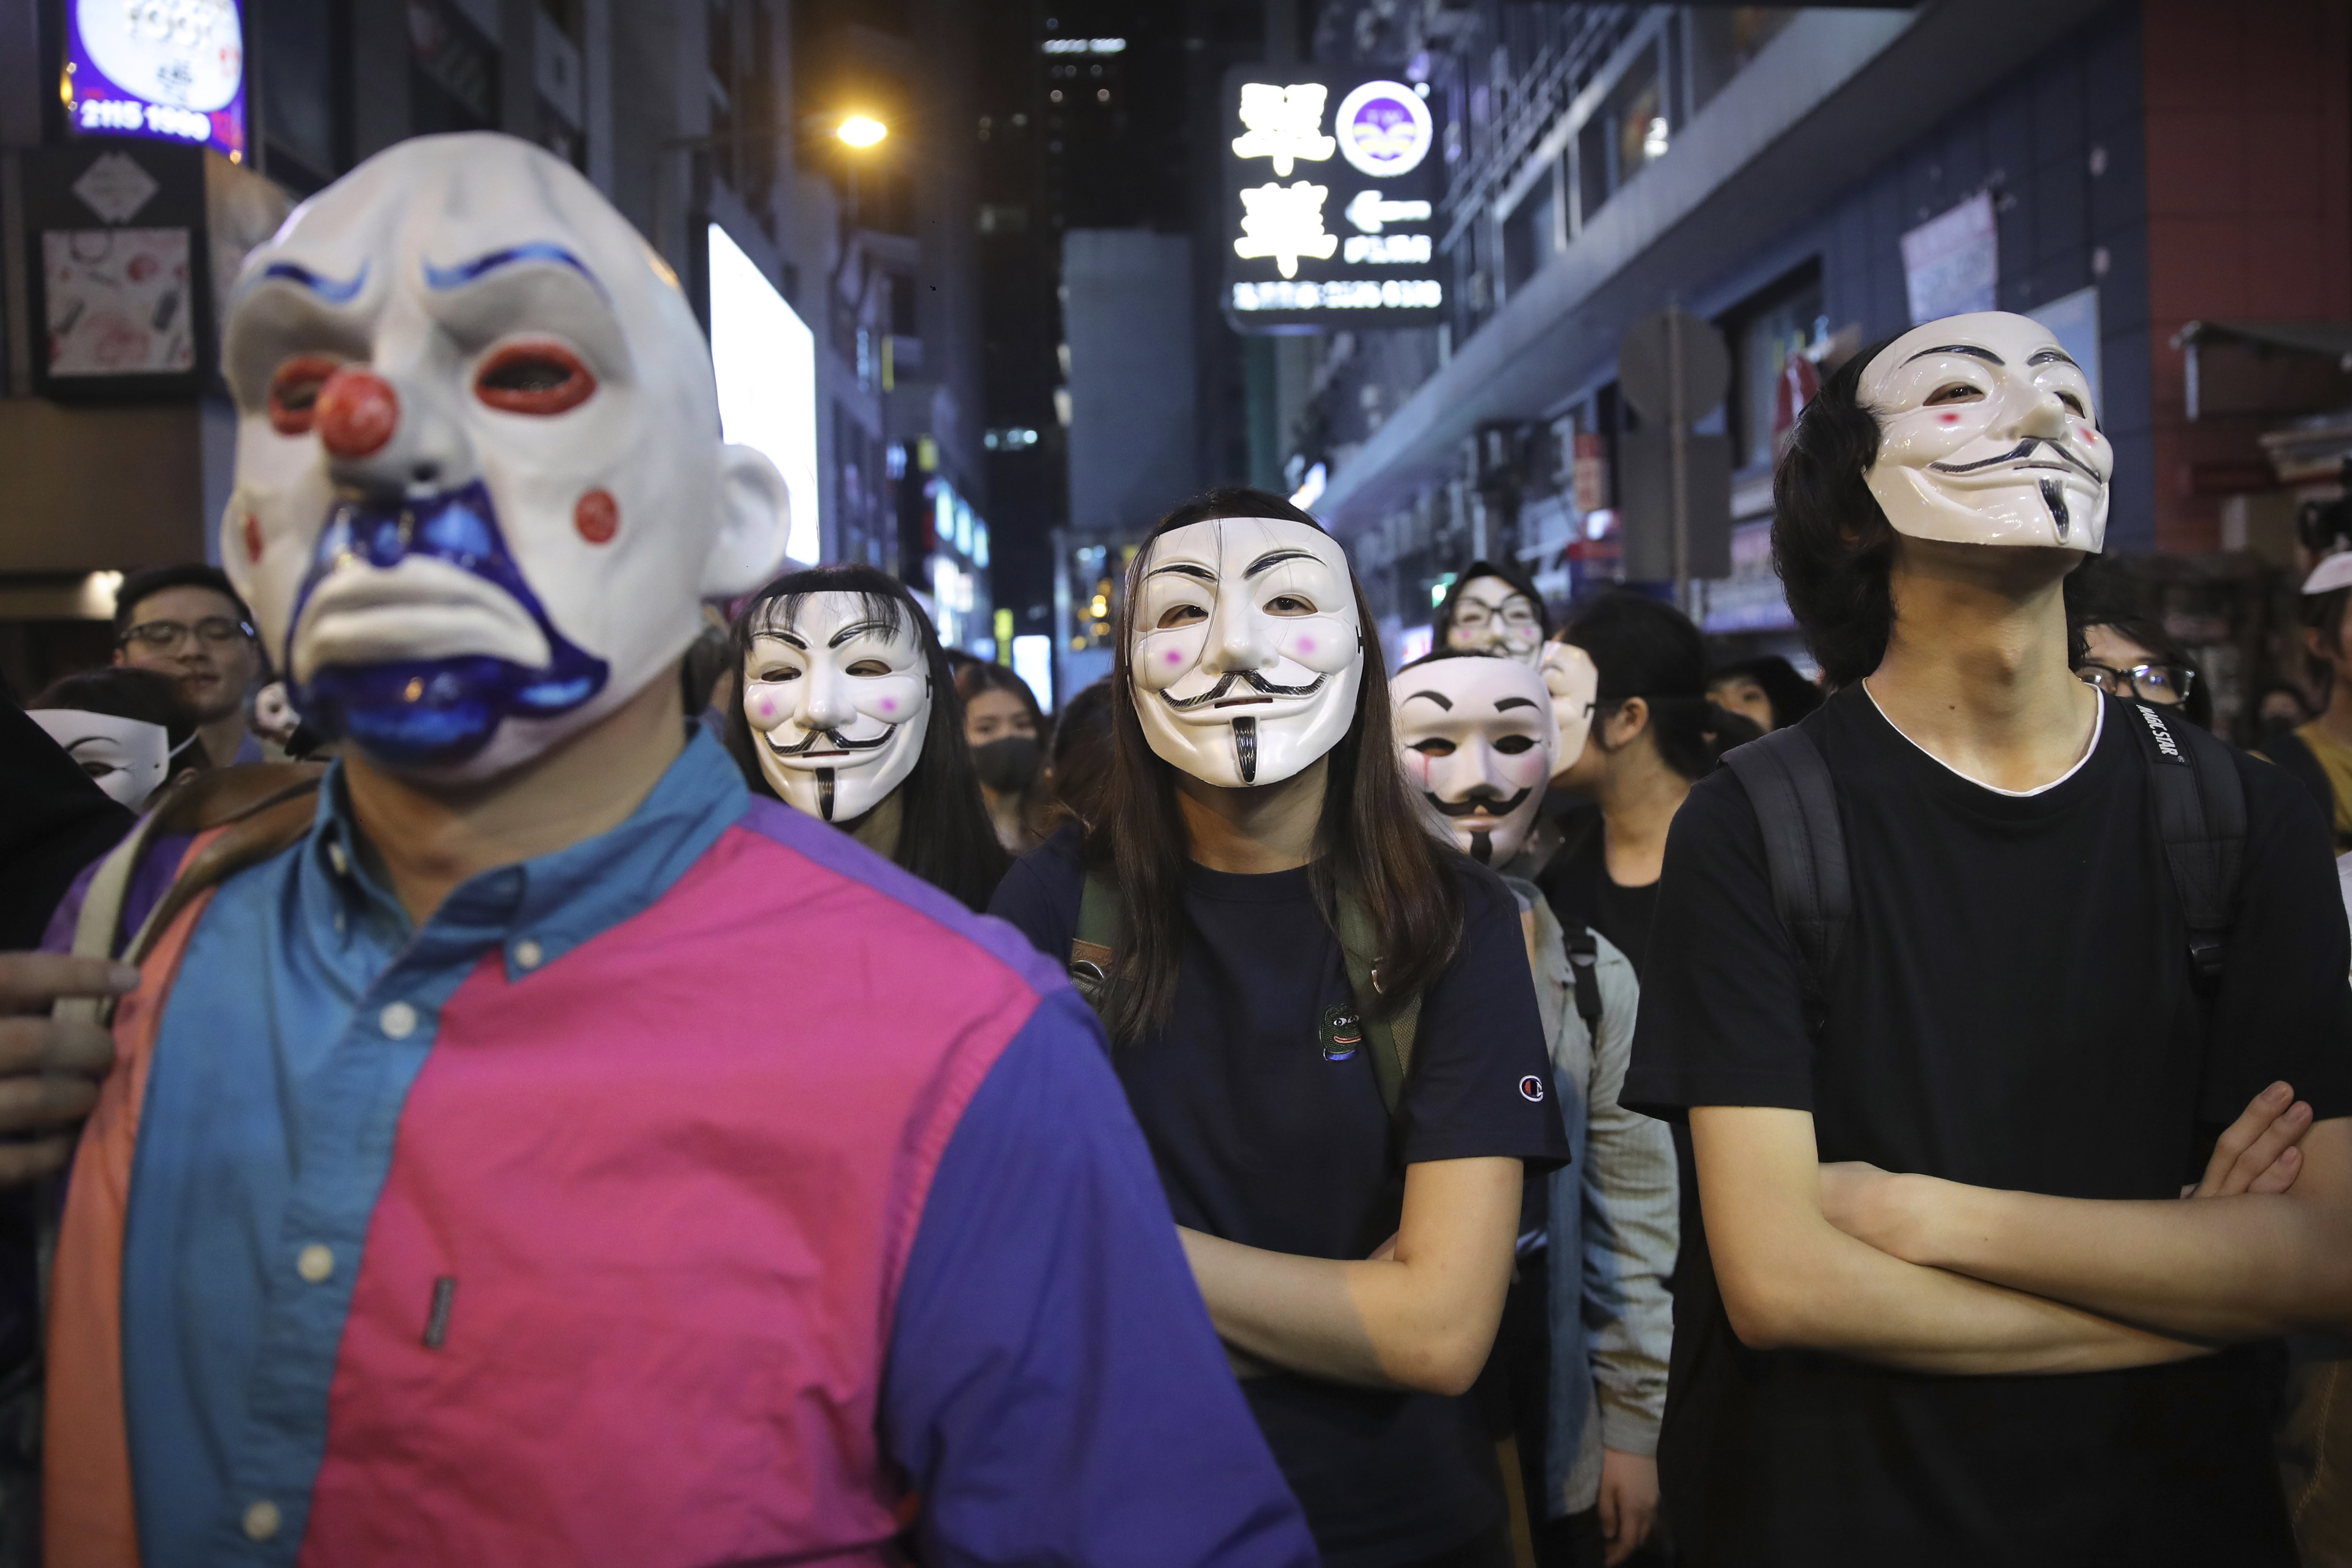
(944,833)
(1370,838)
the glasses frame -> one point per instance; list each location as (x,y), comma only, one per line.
(2131,676)
(182,630)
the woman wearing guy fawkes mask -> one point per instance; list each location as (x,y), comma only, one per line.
(847,711)
(1581,1361)
(1354,1260)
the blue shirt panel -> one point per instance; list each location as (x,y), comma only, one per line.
(1056,1390)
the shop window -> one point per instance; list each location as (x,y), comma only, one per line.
(1776,338)
(1530,234)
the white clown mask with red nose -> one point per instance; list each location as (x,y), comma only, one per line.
(1476,734)
(1246,650)
(1987,435)
(480,490)
(839,699)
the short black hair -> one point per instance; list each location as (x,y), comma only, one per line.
(127,692)
(142,586)
(1645,647)
(1790,694)
(1522,584)
(1832,544)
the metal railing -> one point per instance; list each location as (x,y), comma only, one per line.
(1539,97)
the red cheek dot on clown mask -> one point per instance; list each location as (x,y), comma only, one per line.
(252,537)
(597,516)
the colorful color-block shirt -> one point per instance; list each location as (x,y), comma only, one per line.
(698,1194)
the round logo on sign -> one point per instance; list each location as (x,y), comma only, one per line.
(1531,1088)
(1384,129)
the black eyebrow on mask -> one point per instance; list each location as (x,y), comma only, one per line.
(1276,558)
(782,635)
(1968,349)
(1437,697)
(1184,569)
(1508,703)
(2052,356)
(858,629)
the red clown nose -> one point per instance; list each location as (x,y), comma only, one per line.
(357,411)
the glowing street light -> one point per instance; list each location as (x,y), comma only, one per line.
(862,131)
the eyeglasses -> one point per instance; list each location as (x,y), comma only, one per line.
(169,636)
(1516,613)
(2164,683)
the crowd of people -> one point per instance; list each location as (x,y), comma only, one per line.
(521,1071)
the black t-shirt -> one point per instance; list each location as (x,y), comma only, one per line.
(1577,887)
(1262,1139)
(2012,1008)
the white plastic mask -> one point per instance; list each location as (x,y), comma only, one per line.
(1987,435)
(1477,737)
(481,491)
(1492,616)
(1574,682)
(1246,650)
(127,758)
(838,702)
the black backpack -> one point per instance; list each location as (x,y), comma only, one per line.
(2194,793)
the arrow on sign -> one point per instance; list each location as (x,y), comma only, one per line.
(1368,212)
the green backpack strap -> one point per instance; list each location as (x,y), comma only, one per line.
(1096,939)
(1390,1037)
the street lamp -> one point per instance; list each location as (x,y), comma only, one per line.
(862,131)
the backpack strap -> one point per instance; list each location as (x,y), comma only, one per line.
(1099,919)
(1583,953)
(1391,1036)
(1788,783)
(2200,804)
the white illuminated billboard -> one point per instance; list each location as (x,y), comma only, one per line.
(766,360)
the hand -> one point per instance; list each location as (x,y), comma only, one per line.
(1629,1502)
(2259,1152)
(49,1071)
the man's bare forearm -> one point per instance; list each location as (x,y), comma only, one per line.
(2225,1268)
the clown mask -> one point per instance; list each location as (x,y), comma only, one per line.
(1478,739)
(1492,616)
(1574,682)
(838,699)
(1987,435)
(1247,651)
(481,491)
(127,758)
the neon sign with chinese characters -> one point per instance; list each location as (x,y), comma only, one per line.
(170,69)
(1332,197)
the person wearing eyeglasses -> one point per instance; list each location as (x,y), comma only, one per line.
(2128,658)
(186,622)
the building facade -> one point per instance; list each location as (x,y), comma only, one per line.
(1807,182)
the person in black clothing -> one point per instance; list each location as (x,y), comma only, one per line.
(1766,690)
(1650,737)
(844,707)
(1950,1309)
(1354,1257)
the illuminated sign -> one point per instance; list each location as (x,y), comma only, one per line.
(765,359)
(1332,200)
(171,69)
(1086,46)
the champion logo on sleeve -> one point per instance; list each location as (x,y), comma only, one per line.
(1531,1088)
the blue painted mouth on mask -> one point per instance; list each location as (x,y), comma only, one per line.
(424,712)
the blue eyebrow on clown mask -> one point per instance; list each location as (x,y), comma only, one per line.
(433,711)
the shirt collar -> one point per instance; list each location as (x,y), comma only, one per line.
(541,909)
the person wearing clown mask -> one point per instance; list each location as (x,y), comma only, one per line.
(1941,1170)
(846,710)
(1479,737)
(527,1060)
(1287,1075)
(1495,608)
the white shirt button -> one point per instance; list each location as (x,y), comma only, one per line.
(399,1020)
(315,1263)
(338,859)
(528,954)
(262,1520)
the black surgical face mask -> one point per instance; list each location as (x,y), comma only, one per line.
(1007,765)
